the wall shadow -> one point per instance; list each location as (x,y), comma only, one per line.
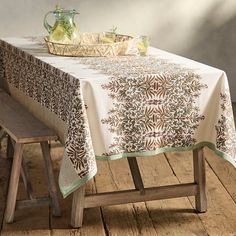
(216,46)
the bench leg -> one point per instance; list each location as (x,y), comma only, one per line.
(14,181)
(51,179)
(10,147)
(2,135)
(78,207)
(24,168)
(26,180)
(200,179)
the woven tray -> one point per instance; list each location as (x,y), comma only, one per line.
(91,46)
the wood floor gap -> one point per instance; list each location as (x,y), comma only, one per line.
(209,164)
(112,176)
(150,217)
(173,171)
(106,230)
(134,213)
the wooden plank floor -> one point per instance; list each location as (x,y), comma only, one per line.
(165,217)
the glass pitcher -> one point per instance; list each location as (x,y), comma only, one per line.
(64,30)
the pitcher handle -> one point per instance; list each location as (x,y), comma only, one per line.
(45,22)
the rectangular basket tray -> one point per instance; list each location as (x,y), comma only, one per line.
(91,46)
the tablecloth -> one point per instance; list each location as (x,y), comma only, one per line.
(123,106)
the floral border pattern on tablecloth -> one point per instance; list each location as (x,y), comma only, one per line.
(226,138)
(57,91)
(154,103)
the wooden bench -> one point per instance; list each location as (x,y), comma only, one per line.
(23,128)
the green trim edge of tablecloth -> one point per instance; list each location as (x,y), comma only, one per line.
(66,191)
(170,149)
(74,186)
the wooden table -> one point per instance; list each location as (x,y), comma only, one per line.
(139,193)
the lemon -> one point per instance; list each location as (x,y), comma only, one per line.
(58,34)
(142,47)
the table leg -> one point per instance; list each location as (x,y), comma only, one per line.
(78,207)
(137,178)
(200,179)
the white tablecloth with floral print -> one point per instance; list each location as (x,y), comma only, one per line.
(123,106)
